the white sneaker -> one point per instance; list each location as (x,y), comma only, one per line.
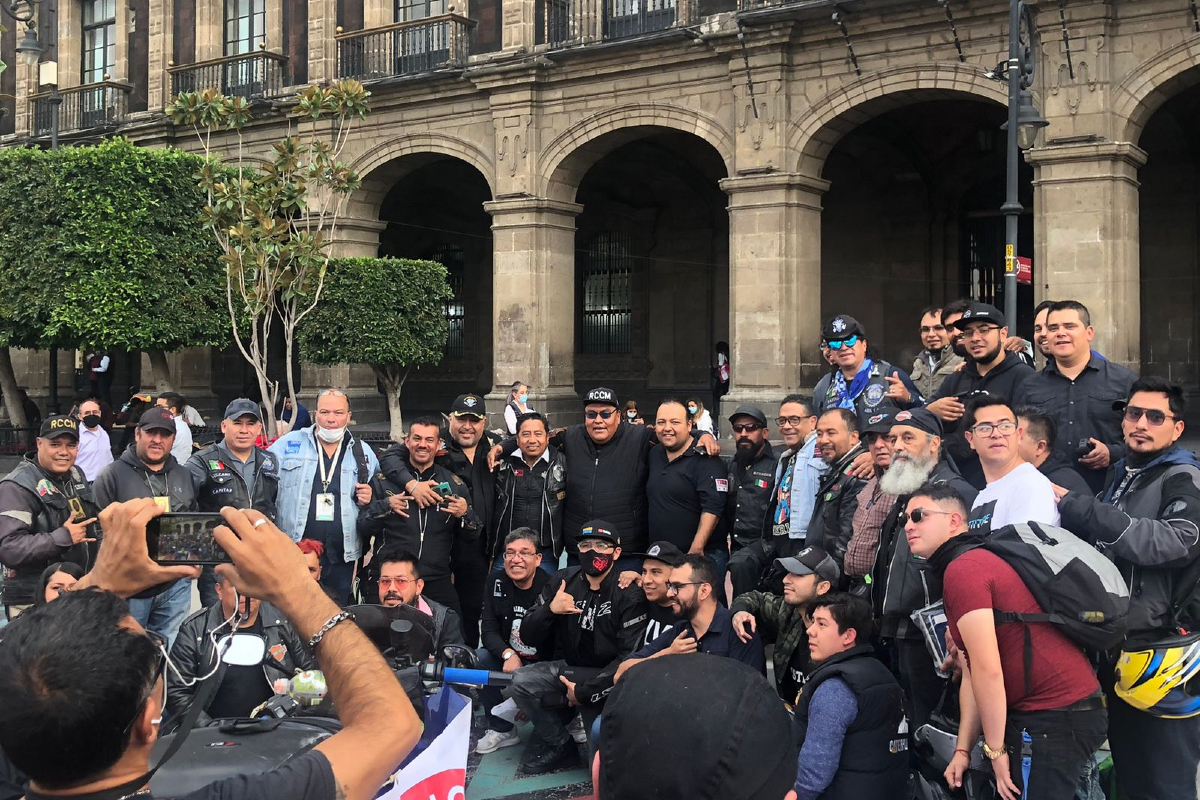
(492,741)
(576,730)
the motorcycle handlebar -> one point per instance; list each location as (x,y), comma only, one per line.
(467,677)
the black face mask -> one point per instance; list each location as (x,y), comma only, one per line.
(91,420)
(595,564)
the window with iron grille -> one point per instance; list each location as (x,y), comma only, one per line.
(245,26)
(607,295)
(99,39)
(451,257)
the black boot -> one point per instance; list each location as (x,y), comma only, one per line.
(551,757)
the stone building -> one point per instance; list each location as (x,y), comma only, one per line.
(617,185)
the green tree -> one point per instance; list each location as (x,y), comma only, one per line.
(274,224)
(100,245)
(387,313)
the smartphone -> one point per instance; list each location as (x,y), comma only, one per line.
(447,493)
(185,539)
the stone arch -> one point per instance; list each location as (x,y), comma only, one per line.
(814,134)
(566,159)
(1154,82)
(370,162)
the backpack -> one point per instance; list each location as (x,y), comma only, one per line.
(1078,588)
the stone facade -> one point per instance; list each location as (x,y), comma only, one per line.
(535,120)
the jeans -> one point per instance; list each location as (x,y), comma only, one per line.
(164,613)
(549,561)
(1060,748)
(1154,757)
(720,559)
(529,686)
(470,574)
(490,696)
(339,578)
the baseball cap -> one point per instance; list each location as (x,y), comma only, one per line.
(753,412)
(919,418)
(243,408)
(468,405)
(665,552)
(59,425)
(157,418)
(736,742)
(980,312)
(879,423)
(843,326)
(599,529)
(812,561)
(602,395)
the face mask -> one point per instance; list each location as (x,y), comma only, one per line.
(631,414)
(596,564)
(330,436)
(691,409)
(91,420)
(523,399)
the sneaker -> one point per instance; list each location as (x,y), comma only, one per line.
(576,730)
(552,758)
(492,741)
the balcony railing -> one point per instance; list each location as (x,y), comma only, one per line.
(564,22)
(93,105)
(405,48)
(248,76)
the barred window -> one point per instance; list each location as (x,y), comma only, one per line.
(607,295)
(451,257)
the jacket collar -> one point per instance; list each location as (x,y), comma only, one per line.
(1175,454)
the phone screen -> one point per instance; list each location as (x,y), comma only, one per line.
(185,539)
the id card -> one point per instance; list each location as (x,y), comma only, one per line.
(325,509)
(164,503)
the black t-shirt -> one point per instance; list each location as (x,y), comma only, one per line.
(329,532)
(679,491)
(309,777)
(589,607)
(661,618)
(523,600)
(792,679)
(242,689)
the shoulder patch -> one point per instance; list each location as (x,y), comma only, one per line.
(722,484)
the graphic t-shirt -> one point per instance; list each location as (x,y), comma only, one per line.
(661,618)
(792,679)
(1023,495)
(523,600)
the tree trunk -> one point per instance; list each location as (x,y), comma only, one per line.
(12,397)
(160,371)
(393,383)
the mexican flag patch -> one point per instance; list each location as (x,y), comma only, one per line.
(762,484)
(216,465)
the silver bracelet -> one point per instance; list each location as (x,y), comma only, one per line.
(327,627)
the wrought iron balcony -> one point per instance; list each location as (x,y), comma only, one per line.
(251,75)
(405,48)
(568,22)
(93,105)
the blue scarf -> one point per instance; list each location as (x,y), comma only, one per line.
(843,396)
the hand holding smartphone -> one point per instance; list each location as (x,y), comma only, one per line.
(185,538)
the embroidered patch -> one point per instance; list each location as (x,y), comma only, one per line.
(293,446)
(215,465)
(45,487)
(838,325)
(760,483)
(875,393)
(722,484)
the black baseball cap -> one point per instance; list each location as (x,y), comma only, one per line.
(843,326)
(753,412)
(602,395)
(468,405)
(733,743)
(980,312)
(599,529)
(812,561)
(59,425)
(879,423)
(665,552)
(919,418)
(157,419)
(243,408)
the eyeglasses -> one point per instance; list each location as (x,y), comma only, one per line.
(673,587)
(932,328)
(918,515)
(838,344)
(596,547)
(749,427)
(160,655)
(1153,415)
(524,555)
(981,331)
(793,421)
(600,414)
(399,583)
(985,428)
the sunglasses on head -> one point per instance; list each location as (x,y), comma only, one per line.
(601,414)
(918,515)
(838,344)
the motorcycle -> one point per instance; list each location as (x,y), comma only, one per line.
(934,744)
(301,715)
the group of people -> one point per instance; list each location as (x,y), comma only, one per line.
(592,562)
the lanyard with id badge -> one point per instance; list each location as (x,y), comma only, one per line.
(161,499)
(325,499)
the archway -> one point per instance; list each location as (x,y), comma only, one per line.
(1169,246)
(651,264)
(912,215)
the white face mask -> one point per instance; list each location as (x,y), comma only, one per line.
(330,435)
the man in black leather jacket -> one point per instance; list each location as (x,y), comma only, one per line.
(241,689)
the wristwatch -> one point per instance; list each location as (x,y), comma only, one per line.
(993,754)
(507,654)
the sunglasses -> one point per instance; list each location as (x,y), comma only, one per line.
(838,344)
(748,427)
(1153,415)
(601,414)
(918,515)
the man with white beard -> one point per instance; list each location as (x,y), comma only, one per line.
(897,586)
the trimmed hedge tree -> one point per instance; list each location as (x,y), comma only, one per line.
(388,313)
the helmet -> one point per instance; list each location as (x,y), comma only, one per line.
(1162,677)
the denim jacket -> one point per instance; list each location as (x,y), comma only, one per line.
(297,454)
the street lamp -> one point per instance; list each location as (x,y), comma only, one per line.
(30,49)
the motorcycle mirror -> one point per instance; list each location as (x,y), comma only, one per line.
(242,650)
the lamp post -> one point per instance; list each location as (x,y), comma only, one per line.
(1022,128)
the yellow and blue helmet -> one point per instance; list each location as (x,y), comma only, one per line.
(1162,678)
